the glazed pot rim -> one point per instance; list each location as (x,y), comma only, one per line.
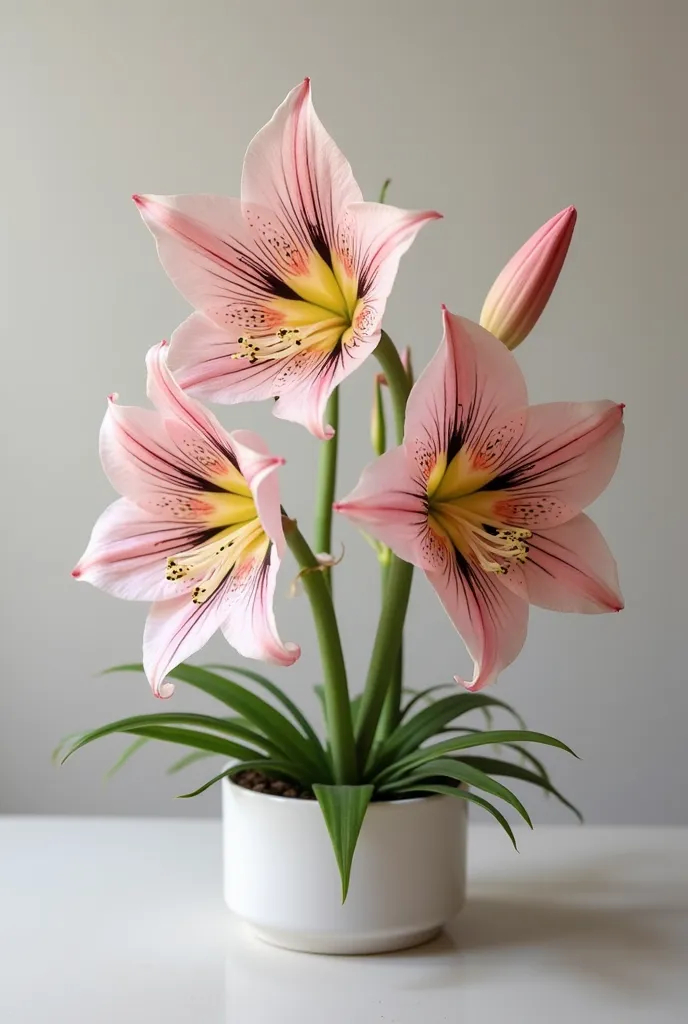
(407,801)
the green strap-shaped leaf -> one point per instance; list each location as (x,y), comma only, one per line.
(184,762)
(355,702)
(262,715)
(128,752)
(278,768)
(283,698)
(448,768)
(419,695)
(463,794)
(224,726)
(494,766)
(427,723)
(492,737)
(524,754)
(141,726)
(344,809)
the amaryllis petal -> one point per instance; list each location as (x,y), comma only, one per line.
(291,281)
(200,520)
(204,360)
(294,168)
(571,569)
(249,625)
(138,455)
(485,495)
(472,394)
(387,504)
(207,249)
(491,619)
(170,399)
(569,451)
(306,384)
(379,237)
(174,631)
(258,467)
(127,547)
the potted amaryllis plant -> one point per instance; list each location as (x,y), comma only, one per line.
(482,492)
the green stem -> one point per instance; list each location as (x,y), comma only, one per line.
(337,702)
(387,648)
(397,380)
(391,709)
(327,482)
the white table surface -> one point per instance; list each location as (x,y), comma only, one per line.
(121,921)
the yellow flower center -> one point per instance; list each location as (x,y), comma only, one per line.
(327,312)
(236,536)
(462,512)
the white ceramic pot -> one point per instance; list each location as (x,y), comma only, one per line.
(408,877)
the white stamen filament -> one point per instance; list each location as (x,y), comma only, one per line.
(466,529)
(211,563)
(287,341)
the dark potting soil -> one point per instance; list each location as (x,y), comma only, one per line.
(261,783)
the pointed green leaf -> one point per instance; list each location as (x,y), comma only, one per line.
(143,725)
(56,756)
(124,757)
(344,809)
(449,768)
(225,726)
(278,768)
(428,722)
(355,702)
(401,767)
(281,696)
(264,716)
(419,695)
(494,766)
(463,794)
(184,762)
(524,754)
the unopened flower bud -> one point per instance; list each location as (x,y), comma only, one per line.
(522,290)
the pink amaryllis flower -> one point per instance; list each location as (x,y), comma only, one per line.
(485,494)
(290,281)
(198,530)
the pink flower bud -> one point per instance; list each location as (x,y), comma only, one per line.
(522,290)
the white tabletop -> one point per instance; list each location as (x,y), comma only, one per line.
(121,921)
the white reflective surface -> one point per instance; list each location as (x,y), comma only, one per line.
(121,921)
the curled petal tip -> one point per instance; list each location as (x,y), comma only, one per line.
(112,397)
(76,572)
(139,200)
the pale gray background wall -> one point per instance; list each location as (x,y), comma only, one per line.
(498,113)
